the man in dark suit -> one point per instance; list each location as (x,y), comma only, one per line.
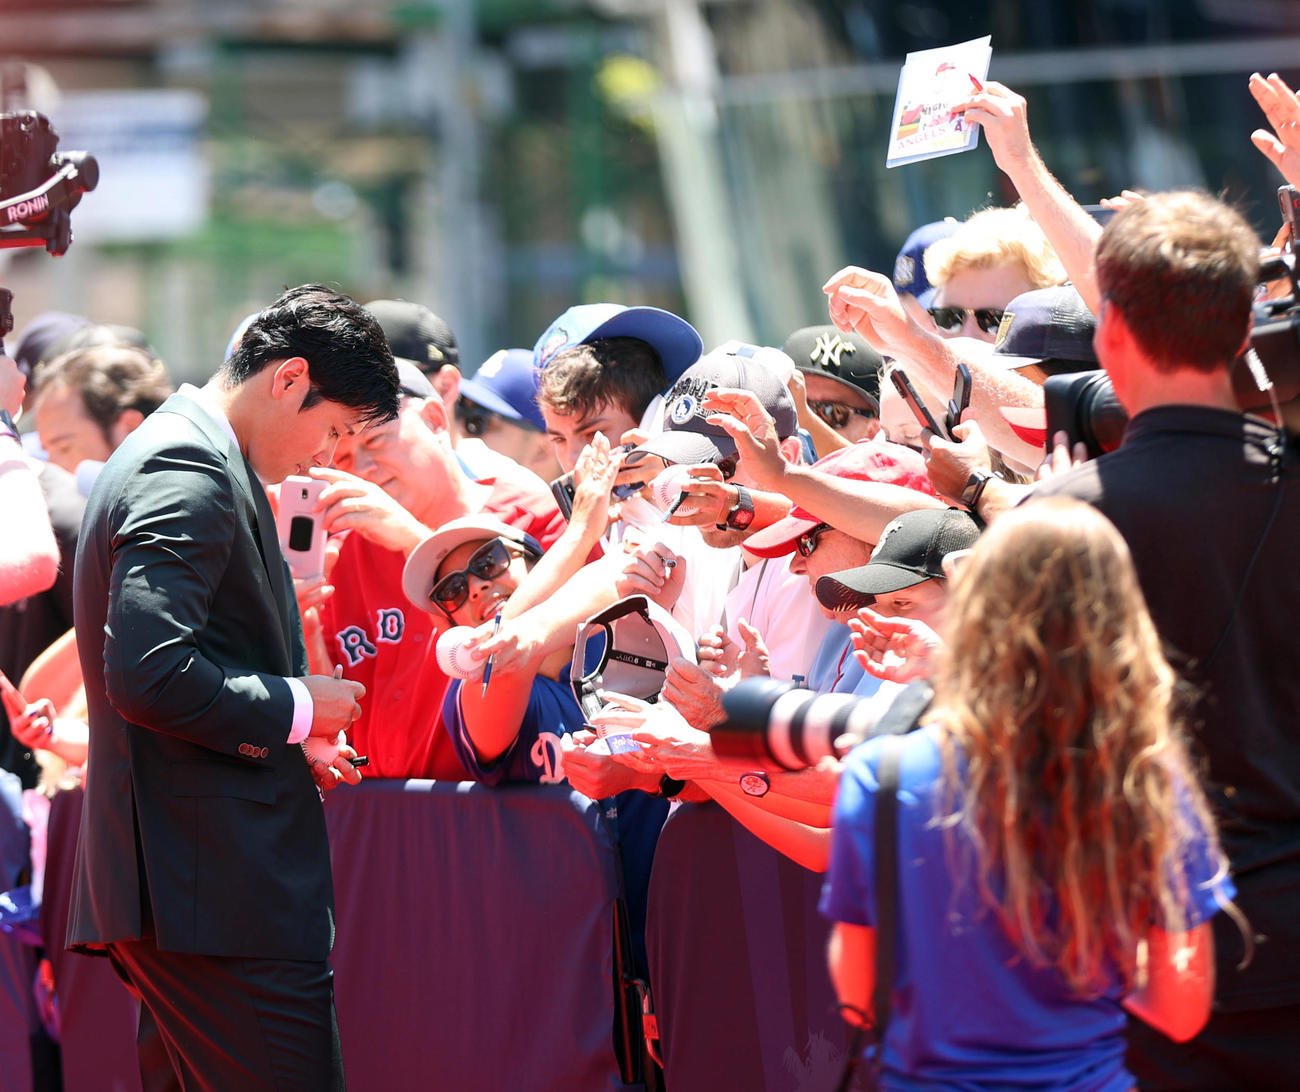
(202,866)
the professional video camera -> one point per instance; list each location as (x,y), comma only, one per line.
(39,186)
(772,724)
(1265,379)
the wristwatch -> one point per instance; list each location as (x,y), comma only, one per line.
(742,515)
(970,496)
(7,426)
(755,784)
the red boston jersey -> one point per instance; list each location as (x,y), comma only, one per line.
(386,644)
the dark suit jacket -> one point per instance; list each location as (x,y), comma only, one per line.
(202,827)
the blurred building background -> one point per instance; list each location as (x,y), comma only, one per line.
(500,160)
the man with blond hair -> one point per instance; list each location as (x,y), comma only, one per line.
(992,258)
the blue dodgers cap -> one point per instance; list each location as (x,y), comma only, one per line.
(909,266)
(506,384)
(673,338)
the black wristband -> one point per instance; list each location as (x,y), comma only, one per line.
(670,788)
(7,426)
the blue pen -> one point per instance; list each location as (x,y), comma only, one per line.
(487,670)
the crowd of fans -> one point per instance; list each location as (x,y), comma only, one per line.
(1114,699)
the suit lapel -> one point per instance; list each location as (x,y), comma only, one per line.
(272,558)
(241,473)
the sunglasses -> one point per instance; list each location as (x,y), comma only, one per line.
(806,543)
(838,414)
(950,318)
(474,420)
(488,562)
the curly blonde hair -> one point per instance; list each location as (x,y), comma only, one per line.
(1076,789)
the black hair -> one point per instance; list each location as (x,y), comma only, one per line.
(347,354)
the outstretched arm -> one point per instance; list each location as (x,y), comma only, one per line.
(1004,117)
(29,559)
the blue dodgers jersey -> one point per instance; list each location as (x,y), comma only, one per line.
(967,1007)
(536,753)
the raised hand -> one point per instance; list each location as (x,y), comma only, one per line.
(593,478)
(1004,116)
(755,659)
(893,649)
(1281,106)
(951,464)
(867,302)
(349,503)
(741,415)
(650,568)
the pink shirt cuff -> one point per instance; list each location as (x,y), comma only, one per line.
(302,711)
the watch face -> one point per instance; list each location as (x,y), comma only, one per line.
(742,515)
(754,784)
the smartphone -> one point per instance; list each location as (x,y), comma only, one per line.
(1288,199)
(562,490)
(919,410)
(14,703)
(301,529)
(960,398)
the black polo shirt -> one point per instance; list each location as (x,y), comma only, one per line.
(1209,504)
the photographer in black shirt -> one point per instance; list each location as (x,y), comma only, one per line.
(1208,502)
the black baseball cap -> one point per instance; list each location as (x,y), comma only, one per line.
(416,333)
(846,358)
(412,381)
(911,549)
(1046,325)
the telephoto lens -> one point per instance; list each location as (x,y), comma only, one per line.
(772,724)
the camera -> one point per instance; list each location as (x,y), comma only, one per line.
(773,724)
(1085,407)
(39,185)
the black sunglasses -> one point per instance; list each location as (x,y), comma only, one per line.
(838,414)
(950,318)
(486,563)
(806,543)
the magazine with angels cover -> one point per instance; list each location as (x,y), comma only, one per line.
(931,83)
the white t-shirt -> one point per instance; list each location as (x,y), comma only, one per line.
(710,572)
(780,605)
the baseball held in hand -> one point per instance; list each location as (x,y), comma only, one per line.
(455,658)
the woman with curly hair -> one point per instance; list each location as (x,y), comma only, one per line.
(1058,864)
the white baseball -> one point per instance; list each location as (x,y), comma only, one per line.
(455,658)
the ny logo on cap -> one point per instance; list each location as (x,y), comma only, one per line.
(828,350)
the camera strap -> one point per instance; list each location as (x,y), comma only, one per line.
(885,875)
(902,717)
